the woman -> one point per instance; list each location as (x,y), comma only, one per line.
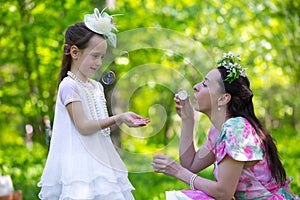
(247,165)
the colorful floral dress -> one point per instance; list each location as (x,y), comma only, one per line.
(239,140)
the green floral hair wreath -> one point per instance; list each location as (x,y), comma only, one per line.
(232,64)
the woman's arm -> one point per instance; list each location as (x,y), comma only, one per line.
(86,126)
(202,159)
(229,172)
(189,158)
(187,150)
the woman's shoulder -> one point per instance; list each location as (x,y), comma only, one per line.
(234,120)
(239,128)
(237,123)
(239,140)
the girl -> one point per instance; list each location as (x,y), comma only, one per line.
(82,162)
(246,161)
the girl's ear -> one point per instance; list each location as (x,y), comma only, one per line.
(74,51)
(224,99)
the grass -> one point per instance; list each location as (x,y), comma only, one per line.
(25,166)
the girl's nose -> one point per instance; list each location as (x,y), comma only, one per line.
(99,62)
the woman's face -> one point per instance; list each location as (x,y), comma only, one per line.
(207,92)
(90,58)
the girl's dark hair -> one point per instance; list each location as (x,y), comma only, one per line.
(241,105)
(78,35)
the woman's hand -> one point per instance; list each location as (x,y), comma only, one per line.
(166,165)
(184,108)
(132,119)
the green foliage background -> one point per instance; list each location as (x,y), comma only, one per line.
(265,33)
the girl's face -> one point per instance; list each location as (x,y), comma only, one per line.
(90,58)
(207,92)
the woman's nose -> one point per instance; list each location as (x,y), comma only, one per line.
(196,87)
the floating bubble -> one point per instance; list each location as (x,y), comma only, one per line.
(123,58)
(108,77)
(125,54)
(182,94)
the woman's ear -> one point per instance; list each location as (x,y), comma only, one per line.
(224,99)
(74,51)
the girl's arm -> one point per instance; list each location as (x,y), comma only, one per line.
(86,126)
(229,172)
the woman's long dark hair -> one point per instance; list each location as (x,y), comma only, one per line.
(241,105)
(78,35)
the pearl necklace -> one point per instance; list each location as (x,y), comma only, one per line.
(91,92)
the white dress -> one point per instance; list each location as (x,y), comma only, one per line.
(82,167)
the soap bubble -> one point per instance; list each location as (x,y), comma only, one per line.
(108,77)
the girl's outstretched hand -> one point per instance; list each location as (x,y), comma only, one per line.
(166,165)
(132,119)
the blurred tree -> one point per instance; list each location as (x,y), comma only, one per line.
(169,44)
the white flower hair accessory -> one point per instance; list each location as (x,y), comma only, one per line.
(103,24)
(231,63)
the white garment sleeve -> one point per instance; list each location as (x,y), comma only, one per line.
(68,91)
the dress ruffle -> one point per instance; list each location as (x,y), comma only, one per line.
(99,188)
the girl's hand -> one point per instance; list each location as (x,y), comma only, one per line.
(184,108)
(166,165)
(132,119)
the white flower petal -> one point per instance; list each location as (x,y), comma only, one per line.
(101,23)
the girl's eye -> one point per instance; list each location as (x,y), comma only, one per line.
(98,56)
